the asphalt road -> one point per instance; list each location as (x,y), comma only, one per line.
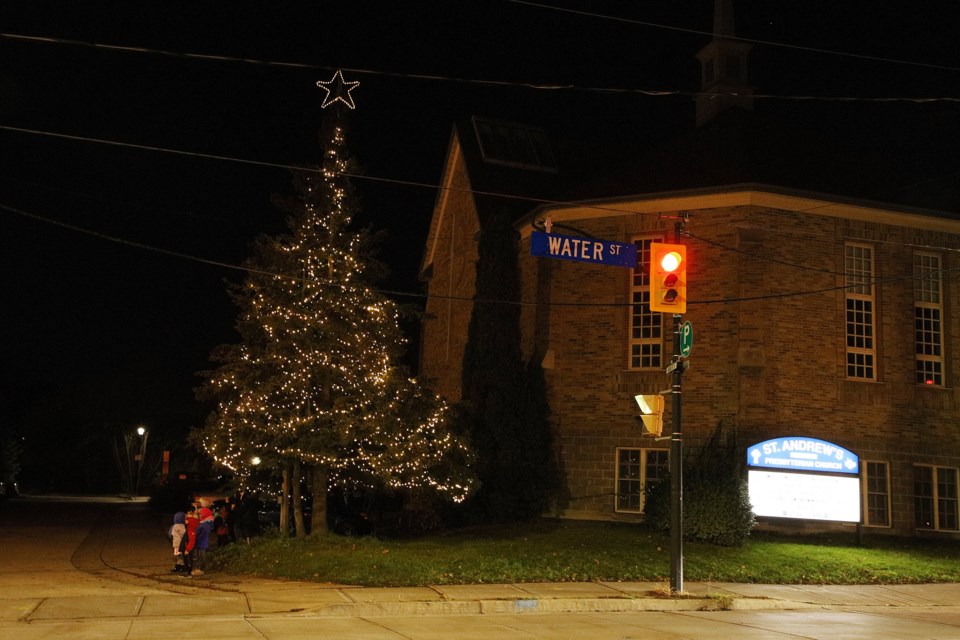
(82,569)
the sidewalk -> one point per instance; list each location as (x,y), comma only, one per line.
(261,596)
(124,573)
(246,596)
(267,596)
(270,596)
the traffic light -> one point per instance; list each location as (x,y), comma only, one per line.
(651,413)
(668,277)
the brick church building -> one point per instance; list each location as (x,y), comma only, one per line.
(820,289)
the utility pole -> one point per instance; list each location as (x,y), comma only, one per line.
(676,443)
(668,294)
(676,467)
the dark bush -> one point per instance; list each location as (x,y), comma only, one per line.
(716,501)
(717,513)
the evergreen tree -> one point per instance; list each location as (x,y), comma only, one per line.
(535,439)
(504,408)
(314,379)
(11,450)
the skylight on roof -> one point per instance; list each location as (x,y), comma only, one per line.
(514,145)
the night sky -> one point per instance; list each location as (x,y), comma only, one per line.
(102,328)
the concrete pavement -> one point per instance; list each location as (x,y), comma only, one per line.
(116,578)
(137,556)
(156,593)
(231,595)
(223,606)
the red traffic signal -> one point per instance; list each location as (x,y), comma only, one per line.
(668,278)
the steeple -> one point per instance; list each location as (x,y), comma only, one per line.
(723,68)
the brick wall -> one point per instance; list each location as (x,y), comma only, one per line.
(773,365)
(451,286)
(769,351)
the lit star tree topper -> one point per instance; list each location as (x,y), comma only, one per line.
(338,90)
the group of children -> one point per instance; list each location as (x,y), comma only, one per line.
(190,535)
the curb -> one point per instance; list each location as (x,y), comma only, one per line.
(534,606)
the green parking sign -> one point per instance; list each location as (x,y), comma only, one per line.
(686,339)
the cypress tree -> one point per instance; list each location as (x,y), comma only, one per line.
(503,407)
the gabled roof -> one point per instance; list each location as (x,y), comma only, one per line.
(498,186)
(580,151)
(902,156)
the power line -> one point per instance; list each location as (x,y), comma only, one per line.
(759,256)
(797,294)
(357,176)
(145,147)
(770,43)
(393,233)
(803,267)
(494,83)
(113,201)
(823,236)
(130,243)
(420,295)
(536,201)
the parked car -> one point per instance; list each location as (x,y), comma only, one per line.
(9,490)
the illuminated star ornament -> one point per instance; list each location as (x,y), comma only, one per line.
(338,90)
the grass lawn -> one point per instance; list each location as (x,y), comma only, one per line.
(552,551)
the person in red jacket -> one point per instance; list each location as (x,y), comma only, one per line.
(190,536)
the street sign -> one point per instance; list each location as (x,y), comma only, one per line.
(683,364)
(606,252)
(686,339)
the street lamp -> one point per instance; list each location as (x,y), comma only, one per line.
(142,432)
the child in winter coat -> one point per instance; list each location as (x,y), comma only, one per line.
(177,531)
(202,540)
(190,540)
(221,525)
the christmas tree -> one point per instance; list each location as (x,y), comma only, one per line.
(314,381)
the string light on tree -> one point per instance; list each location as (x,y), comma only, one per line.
(314,380)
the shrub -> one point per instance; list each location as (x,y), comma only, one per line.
(716,501)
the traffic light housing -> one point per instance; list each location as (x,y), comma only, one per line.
(651,413)
(668,278)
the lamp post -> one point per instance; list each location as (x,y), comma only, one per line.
(143,433)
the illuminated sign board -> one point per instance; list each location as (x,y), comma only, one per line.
(805,496)
(803,454)
(804,478)
(554,245)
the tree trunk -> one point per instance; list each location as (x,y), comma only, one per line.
(318,486)
(124,465)
(298,502)
(285,500)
